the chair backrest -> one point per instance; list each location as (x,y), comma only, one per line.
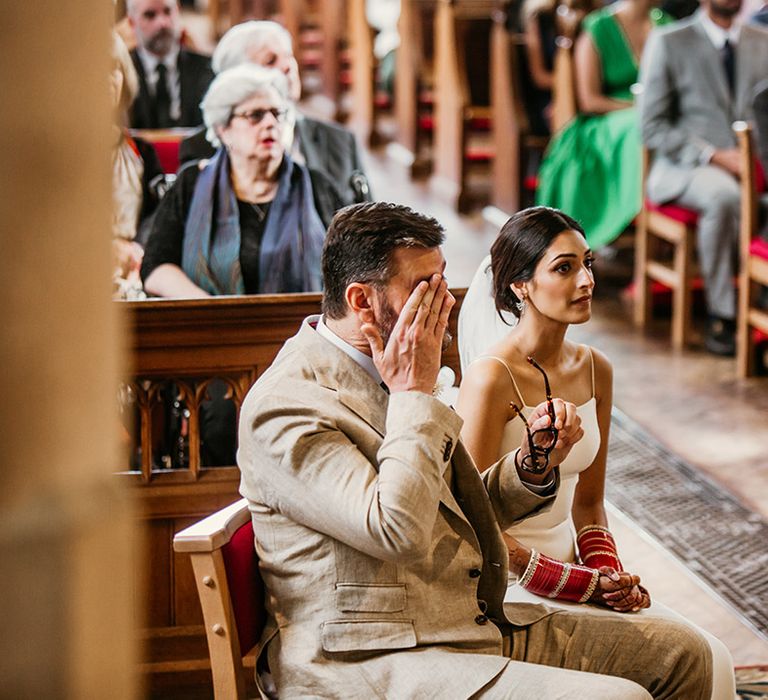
(564,106)
(231,593)
(166,143)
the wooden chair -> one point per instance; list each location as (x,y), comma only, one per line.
(752,321)
(231,592)
(675,226)
(462,96)
(514,143)
(564,105)
(414,81)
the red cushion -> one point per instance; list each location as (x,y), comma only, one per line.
(426,122)
(245,586)
(480,123)
(685,216)
(758,337)
(759,248)
(530,183)
(760,182)
(382,101)
(168,155)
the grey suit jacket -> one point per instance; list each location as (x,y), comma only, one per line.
(686,108)
(379,541)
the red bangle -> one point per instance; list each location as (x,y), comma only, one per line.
(597,547)
(554,579)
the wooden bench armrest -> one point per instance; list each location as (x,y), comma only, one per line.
(214,531)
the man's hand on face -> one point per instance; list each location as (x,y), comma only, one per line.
(411,358)
(569,432)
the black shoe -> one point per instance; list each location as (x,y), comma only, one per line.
(720,337)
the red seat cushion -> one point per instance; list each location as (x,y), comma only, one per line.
(245,586)
(167,154)
(760,179)
(759,248)
(479,154)
(426,122)
(530,183)
(681,214)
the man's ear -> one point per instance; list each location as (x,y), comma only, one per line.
(359,298)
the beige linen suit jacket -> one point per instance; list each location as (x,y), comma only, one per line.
(379,541)
(685,107)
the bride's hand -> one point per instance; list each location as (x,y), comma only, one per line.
(620,591)
(567,422)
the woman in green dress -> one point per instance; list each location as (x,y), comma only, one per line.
(591,170)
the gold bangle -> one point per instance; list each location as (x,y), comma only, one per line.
(591,587)
(599,552)
(533,562)
(589,528)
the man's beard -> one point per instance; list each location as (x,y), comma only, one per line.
(387,320)
(162,42)
(724,10)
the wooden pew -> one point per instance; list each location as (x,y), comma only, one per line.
(414,77)
(363,69)
(462,43)
(190,342)
(512,138)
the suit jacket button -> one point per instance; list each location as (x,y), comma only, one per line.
(481,619)
(448,449)
(474,573)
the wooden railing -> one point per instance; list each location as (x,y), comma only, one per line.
(177,348)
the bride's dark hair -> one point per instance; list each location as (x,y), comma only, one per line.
(520,245)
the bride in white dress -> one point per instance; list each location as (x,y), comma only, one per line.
(540,272)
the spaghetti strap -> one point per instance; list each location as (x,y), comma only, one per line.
(509,371)
(592,368)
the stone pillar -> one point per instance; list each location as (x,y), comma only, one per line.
(66,529)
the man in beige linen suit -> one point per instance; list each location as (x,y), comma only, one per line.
(379,542)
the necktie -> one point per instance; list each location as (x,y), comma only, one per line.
(729,64)
(162,98)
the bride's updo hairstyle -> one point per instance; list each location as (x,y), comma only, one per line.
(521,243)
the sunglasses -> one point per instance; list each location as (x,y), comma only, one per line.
(540,442)
(256,115)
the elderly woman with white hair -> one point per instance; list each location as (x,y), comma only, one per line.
(320,145)
(250,220)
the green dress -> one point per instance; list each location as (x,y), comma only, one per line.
(591,170)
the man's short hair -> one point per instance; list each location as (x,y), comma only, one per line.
(360,244)
(234,47)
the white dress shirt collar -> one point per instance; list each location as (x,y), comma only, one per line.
(717,35)
(365,361)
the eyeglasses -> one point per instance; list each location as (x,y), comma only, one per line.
(256,115)
(540,442)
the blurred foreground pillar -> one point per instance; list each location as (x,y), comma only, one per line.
(66,530)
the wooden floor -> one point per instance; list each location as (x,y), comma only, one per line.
(690,401)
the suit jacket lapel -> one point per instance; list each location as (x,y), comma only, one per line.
(712,68)
(312,142)
(187,79)
(142,112)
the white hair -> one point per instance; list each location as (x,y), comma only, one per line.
(235,85)
(130,7)
(233,47)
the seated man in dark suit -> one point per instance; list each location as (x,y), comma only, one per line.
(172,79)
(322,146)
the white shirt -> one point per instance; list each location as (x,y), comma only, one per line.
(365,361)
(171,63)
(717,35)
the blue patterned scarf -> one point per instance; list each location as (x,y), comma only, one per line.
(290,247)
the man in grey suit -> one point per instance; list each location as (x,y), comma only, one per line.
(698,77)
(320,145)
(379,541)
